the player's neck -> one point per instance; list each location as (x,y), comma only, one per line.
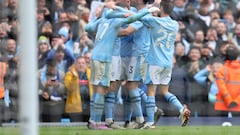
(164,15)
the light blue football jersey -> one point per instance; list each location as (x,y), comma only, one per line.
(163,31)
(106,34)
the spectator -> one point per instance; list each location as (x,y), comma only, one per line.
(42,5)
(206,56)
(3,98)
(227,78)
(236,37)
(211,40)
(83,46)
(51,92)
(198,95)
(198,38)
(43,49)
(222,51)
(55,40)
(11,84)
(10,50)
(40,20)
(66,36)
(79,91)
(229,18)
(4,28)
(87,58)
(83,15)
(206,77)
(179,53)
(63,56)
(46,29)
(203,11)
(222,31)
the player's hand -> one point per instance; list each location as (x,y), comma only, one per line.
(153,9)
(127,14)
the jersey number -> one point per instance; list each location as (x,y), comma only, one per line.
(103,31)
(165,36)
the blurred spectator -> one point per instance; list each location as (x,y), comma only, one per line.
(66,36)
(206,77)
(198,38)
(12,6)
(179,53)
(55,40)
(41,5)
(205,7)
(83,46)
(192,23)
(236,37)
(46,30)
(214,14)
(222,51)
(51,92)
(57,11)
(227,4)
(79,91)
(179,9)
(198,94)
(229,18)
(4,28)
(64,58)
(43,49)
(40,20)
(222,31)
(181,38)
(11,84)
(10,50)
(4,96)
(211,40)
(87,58)
(206,56)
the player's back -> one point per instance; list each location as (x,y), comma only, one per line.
(163,33)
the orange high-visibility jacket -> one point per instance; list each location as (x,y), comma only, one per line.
(3,69)
(228,82)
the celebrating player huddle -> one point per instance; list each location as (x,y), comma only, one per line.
(134,45)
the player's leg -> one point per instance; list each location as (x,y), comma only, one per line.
(100,79)
(172,99)
(110,100)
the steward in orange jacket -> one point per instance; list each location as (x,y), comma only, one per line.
(228,82)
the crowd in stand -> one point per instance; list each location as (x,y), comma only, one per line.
(207,28)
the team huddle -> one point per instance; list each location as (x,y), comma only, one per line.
(135,45)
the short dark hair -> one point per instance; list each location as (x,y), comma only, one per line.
(51,62)
(232,53)
(122,4)
(167,6)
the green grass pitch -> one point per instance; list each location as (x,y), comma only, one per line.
(160,130)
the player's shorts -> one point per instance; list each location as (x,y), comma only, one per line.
(124,67)
(136,68)
(116,68)
(100,73)
(157,75)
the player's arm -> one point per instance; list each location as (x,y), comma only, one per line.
(92,25)
(119,12)
(130,29)
(140,14)
(126,31)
